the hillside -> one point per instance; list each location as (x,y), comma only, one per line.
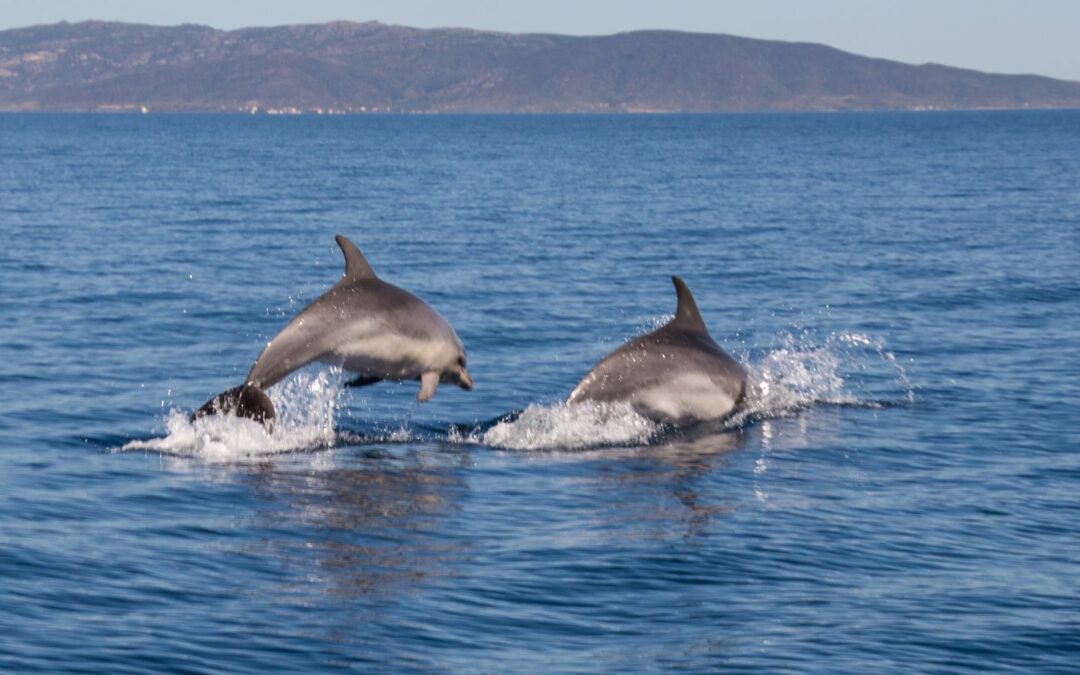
(372,67)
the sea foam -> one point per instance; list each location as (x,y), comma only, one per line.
(306,406)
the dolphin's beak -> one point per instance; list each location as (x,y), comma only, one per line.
(464,380)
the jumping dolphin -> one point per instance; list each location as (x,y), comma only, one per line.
(675,374)
(362,324)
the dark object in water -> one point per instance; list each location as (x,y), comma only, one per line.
(247,400)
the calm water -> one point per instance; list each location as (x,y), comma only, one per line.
(902,495)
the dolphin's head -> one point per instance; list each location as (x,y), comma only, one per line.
(455,373)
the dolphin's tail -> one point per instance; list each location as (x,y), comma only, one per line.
(247,400)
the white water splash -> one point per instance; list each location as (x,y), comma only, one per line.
(800,373)
(306,406)
(562,426)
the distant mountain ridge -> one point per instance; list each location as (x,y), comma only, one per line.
(373,67)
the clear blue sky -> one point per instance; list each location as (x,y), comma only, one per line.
(1008,36)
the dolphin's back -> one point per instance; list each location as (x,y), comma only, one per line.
(676,373)
(299,343)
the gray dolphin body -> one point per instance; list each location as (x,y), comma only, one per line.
(364,325)
(676,374)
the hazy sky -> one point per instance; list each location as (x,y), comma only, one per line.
(1009,36)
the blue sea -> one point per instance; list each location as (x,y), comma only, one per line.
(900,494)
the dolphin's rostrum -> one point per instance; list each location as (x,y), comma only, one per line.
(364,325)
(675,374)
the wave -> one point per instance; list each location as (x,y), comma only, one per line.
(797,372)
(306,405)
(563,426)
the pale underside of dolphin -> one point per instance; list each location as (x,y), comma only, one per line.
(363,325)
(676,374)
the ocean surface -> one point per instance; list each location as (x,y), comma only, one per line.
(901,493)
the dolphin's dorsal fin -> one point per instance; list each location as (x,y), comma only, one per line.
(356,266)
(687,315)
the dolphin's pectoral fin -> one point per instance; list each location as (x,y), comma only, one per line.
(363,381)
(429,381)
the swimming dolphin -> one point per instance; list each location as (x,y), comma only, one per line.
(362,324)
(675,374)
